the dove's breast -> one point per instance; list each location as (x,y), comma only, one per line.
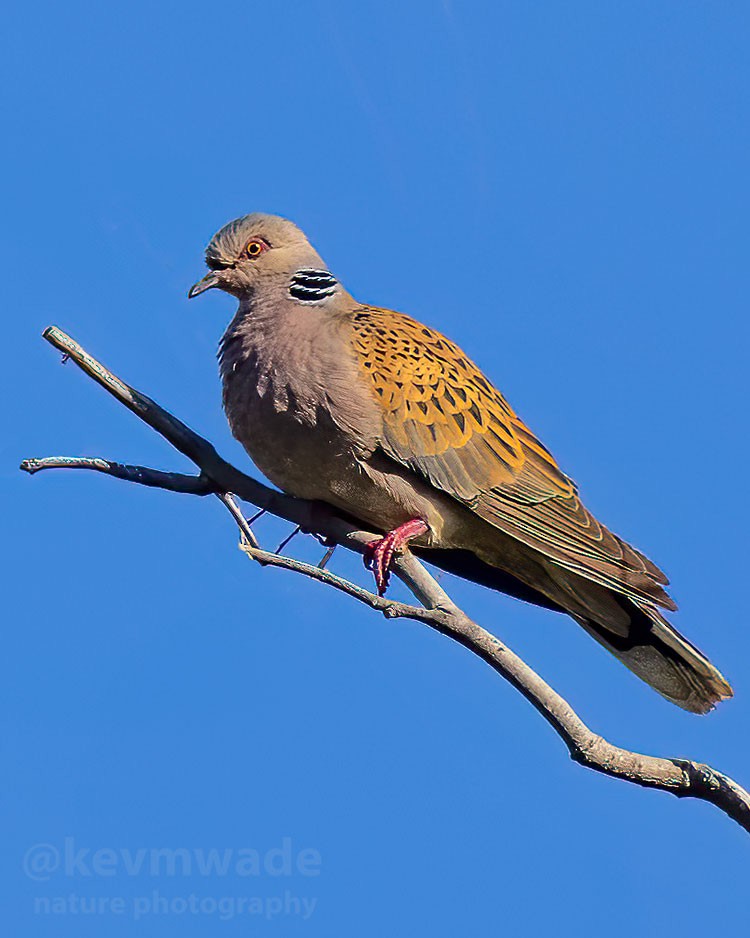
(297,401)
(293,400)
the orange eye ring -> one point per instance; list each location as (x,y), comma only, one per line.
(254,248)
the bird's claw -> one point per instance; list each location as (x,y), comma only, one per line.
(378,557)
(379,553)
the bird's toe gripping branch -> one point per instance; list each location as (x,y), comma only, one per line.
(380,553)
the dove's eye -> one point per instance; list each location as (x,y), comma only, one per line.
(255,247)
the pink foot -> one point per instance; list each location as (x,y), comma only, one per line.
(379,553)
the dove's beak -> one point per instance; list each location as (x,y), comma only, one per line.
(207,283)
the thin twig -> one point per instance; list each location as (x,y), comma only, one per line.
(255,517)
(173,481)
(288,539)
(323,562)
(680,777)
(242,523)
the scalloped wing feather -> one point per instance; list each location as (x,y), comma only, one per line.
(444,420)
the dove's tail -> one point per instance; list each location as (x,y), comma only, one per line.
(656,652)
(633,630)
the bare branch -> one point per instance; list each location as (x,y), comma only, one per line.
(323,562)
(174,481)
(681,777)
(243,524)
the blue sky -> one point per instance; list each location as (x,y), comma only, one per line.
(563,189)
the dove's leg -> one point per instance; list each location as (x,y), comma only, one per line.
(379,553)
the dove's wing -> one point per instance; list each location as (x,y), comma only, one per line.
(446,422)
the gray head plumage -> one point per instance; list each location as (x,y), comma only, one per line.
(229,242)
(253,248)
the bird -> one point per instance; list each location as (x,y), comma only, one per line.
(385,419)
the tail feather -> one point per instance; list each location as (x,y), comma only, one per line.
(638,635)
(656,652)
(631,629)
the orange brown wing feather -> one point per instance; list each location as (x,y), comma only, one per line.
(444,420)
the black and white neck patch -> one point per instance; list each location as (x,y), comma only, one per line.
(310,286)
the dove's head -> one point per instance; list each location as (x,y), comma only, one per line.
(254,249)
